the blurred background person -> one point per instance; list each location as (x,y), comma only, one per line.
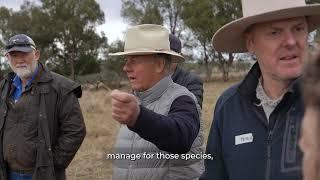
(309,142)
(184,77)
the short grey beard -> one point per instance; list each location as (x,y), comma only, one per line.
(25,73)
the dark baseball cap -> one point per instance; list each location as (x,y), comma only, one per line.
(175,43)
(20,42)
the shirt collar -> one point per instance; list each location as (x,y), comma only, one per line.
(155,92)
(249,85)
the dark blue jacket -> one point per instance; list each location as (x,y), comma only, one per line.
(265,151)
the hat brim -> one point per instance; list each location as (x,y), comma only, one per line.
(230,37)
(175,56)
(20,49)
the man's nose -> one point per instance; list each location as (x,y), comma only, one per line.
(290,39)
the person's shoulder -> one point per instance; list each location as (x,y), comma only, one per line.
(61,79)
(194,77)
(189,76)
(175,91)
(189,73)
(6,78)
(2,82)
(66,85)
(178,89)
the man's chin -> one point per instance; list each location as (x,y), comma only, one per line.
(23,74)
(289,76)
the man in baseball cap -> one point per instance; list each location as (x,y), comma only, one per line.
(42,126)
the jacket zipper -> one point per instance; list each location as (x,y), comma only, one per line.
(268,167)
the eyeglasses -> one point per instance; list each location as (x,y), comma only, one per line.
(19,42)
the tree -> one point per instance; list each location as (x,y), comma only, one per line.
(112,68)
(203,18)
(4,14)
(199,17)
(162,12)
(141,12)
(115,63)
(171,11)
(226,11)
(74,22)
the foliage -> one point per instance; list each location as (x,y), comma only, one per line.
(162,12)
(115,63)
(141,12)
(202,17)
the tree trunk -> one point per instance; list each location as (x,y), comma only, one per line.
(225,73)
(71,62)
(208,72)
(225,66)
(72,74)
(207,65)
(73,59)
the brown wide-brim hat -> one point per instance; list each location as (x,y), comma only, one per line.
(230,38)
(148,39)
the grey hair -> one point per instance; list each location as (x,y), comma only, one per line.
(167,60)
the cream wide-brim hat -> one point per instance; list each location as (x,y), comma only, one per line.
(148,39)
(230,37)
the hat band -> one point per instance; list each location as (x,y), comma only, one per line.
(20,45)
(146,49)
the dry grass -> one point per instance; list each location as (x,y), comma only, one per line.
(211,93)
(90,162)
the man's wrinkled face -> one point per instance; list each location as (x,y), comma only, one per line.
(280,47)
(143,71)
(22,63)
(310,143)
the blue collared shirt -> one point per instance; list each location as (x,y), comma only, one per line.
(17,92)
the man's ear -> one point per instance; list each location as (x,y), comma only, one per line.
(249,42)
(160,65)
(37,55)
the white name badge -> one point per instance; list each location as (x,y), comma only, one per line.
(244,138)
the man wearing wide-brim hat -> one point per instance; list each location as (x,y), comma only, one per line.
(159,117)
(256,124)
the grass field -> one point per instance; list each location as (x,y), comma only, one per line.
(90,161)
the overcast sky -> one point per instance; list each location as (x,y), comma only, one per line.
(113,26)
